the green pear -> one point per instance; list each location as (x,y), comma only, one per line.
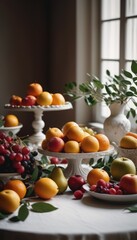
(58,176)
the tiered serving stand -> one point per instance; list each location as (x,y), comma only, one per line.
(38,124)
(74,165)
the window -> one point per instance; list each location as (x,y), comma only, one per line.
(118,23)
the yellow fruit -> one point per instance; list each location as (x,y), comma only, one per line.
(54,132)
(90,144)
(18,186)
(9,201)
(45,188)
(128,142)
(71,147)
(132,134)
(104,142)
(75,133)
(67,125)
(95,174)
(11,120)
(44,99)
(58,99)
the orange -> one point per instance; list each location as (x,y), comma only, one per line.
(104,142)
(95,174)
(45,188)
(67,125)
(34,89)
(128,142)
(44,144)
(44,99)
(11,120)
(71,147)
(9,201)
(58,99)
(131,134)
(54,132)
(75,133)
(18,186)
(90,144)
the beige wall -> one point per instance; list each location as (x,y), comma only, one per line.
(42,41)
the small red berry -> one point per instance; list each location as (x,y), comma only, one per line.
(78,194)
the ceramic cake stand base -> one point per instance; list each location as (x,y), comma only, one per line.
(75,165)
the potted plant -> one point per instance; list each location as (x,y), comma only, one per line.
(118,90)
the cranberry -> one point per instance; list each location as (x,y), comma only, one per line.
(78,194)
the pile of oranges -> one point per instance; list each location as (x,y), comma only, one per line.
(74,139)
(14,190)
(35,95)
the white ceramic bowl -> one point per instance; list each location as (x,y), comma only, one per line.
(14,130)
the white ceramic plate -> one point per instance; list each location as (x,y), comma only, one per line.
(111,198)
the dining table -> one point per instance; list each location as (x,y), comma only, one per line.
(88,218)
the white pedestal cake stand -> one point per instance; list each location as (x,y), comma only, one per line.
(75,160)
(38,123)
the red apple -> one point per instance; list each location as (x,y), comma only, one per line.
(76,182)
(54,160)
(15,100)
(55,144)
(29,100)
(128,183)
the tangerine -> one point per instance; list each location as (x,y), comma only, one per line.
(45,188)
(58,99)
(34,89)
(18,186)
(9,201)
(104,142)
(75,133)
(44,144)
(90,144)
(131,134)
(11,120)
(67,125)
(95,174)
(44,99)
(71,146)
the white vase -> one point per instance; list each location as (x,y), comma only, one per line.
(117,124)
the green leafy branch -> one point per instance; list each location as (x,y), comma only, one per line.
(120,88)
(104,162)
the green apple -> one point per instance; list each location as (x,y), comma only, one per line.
(121,166)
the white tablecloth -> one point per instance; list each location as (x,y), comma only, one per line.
(83,219)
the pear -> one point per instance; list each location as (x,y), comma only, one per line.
(58,176)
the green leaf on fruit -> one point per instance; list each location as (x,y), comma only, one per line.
(132,209)
(42,207)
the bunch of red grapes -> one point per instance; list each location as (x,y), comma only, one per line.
(15,157)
